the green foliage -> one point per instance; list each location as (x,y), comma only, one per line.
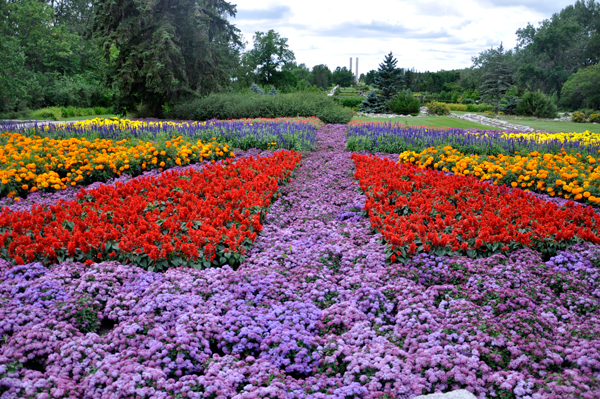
(594,118)
(497,74)
(257,89)
(389,79)
(559,46)
(479,107)
(45,57)
(349,101)
(437,108)
(162,50)
(343,77)
(508,105)
(404,104)
(52,113)
(373,104)
(321,76)
(582,89)
(578,117)
(273,91)
(69,112)
(536,103)
(370,77)
(270,51)
(235,106)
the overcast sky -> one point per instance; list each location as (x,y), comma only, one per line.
(427,34)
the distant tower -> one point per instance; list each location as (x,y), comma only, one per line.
(350,64)
(356,68)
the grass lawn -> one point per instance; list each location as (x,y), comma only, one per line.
(435,121)
(556,126)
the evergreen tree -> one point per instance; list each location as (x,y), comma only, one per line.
(163,49)
(497,77)
(389,79)
(257,89)
(373,104)
(273,91)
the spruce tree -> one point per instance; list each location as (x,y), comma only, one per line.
(389,79)
(373,104)
(257,89)
(497,77)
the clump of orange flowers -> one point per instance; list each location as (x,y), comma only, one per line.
(572,176)
(35,163)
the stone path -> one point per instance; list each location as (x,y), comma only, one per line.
(484,120)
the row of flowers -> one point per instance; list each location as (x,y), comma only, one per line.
(289,133)
(199,218)
(419,210)
(397,138)
(571,176)
(37,163)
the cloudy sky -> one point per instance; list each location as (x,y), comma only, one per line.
(424,34)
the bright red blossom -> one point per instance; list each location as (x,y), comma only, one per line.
(194,216)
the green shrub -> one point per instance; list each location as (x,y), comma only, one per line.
(578,117)
(47,113)
(437,108)
(349,101)
(536,103)
(508,105)
(235,106)
(594,118)
(467,101)
(404,104)
(456,107)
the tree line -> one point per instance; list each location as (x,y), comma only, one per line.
(131,55)
(558,58)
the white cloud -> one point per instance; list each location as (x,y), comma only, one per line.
(427,35)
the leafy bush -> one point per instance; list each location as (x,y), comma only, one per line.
(594,118)
(404,103)
(467,101)
(236,106)
(578,117)
(508,105)
(437,108)
(536,103)
(456,107)
(273,91)
(47,113)
(350,102)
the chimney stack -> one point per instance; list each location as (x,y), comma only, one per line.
(356,68)
(350,64)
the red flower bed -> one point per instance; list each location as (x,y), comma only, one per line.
(419,210)
(199,218)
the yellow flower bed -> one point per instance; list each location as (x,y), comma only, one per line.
(570,176)
(585,138)
(116,123)
(39,163)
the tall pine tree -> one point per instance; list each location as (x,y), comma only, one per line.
(163,49)
(389,79)
(497,77)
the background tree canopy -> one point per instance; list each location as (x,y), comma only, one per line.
(138,56)
(161,50)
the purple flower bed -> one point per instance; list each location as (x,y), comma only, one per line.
(314,312)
